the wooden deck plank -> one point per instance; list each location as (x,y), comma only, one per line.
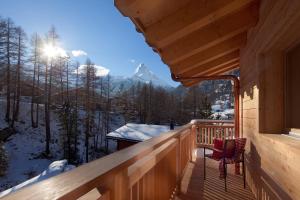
(193,186)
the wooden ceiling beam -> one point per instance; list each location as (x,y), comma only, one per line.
(134,8)
(221,68)
(210,35)
(195,15)
(217,63)
(149,11)
(230,67)
(209,54)
(224,70)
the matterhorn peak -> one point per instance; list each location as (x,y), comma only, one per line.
(142,69)
(143,74)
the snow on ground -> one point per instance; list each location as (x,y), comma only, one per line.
(225,114)
(138,132)
(25,147)
(53,169)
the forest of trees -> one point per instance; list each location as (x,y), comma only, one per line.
(32,66)
(28,69)
(144,103)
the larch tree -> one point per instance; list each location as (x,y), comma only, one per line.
(9,55)
(88,82)
(21,53)
(76,108)
(35,59)
(52,38)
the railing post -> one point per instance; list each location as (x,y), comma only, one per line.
(121,191)
(193,139)
(178,163)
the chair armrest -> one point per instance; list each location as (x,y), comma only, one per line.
(211,147)
(217,150)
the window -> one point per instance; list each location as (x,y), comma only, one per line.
(292,88)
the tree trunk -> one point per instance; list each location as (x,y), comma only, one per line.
(18,84)
(7,115)
(33,87)
(37,103)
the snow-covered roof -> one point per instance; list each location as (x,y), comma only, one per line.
(216,107)
(138,132)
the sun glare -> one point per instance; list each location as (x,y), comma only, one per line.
(50,51)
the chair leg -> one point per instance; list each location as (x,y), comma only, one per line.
(244,174)
(225,175)
(204,163)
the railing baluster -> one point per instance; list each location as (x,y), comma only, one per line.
(207,131)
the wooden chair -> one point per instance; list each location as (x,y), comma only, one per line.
(231,153)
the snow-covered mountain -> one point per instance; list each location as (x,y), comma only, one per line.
(120,83)
(142,74)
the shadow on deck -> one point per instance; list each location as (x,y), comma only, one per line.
(194,187)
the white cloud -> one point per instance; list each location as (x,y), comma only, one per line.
(100,70)
(62,52)
(132,61)
(77,53)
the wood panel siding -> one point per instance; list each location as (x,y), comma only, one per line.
(122,144)
(272,159)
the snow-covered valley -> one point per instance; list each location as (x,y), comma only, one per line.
(24,148)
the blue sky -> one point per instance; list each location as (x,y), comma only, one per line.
(94,26)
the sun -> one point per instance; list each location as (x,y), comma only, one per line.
(50,51)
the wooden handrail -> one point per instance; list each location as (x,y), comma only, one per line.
(207,130)
(111,172)
(206,121)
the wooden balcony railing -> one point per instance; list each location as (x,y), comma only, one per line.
(207,130)
(148,170)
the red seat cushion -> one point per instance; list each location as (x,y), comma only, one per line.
(218,144)
(230,148)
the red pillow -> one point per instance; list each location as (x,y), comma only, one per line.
(218,144)
(230,148)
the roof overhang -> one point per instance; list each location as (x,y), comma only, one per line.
(194,37)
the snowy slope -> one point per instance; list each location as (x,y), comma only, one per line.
(53,169)
(25,147)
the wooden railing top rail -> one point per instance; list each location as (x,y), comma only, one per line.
(78,182)
(205,121)
(225,126)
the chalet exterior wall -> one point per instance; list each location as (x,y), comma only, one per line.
(273,168)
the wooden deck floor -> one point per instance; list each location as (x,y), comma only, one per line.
(194,187)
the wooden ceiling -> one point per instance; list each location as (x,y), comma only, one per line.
(194,37)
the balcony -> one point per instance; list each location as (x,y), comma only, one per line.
(165,167)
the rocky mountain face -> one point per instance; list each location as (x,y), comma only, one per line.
(142,74)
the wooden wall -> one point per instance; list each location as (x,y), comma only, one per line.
(122,144)
(273,160)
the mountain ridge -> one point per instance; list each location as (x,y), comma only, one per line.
(141,74)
